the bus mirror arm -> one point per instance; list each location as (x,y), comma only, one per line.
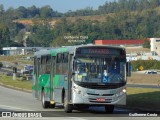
(73,73)
(128,69)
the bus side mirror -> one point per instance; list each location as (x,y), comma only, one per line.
(128,69)
(73,73)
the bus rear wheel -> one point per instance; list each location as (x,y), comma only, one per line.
(109,108)
(67,107)
(45,104)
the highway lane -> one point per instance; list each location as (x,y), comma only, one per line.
(19,101)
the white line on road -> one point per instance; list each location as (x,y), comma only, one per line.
(13,108)
(77,118)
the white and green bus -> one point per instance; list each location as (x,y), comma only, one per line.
(81,76)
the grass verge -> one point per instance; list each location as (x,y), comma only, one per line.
(22,84)
(137,98)
(143,98)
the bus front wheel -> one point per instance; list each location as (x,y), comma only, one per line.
(45,104)
(109,108)
(67,107)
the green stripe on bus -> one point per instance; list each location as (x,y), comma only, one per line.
(56,79)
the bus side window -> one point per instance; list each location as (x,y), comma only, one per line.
(65,63)
(59,64)
(35,65)
(43,65)
(48,64)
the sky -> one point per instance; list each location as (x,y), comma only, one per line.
(57,5)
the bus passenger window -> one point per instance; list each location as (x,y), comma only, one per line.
(65,63)
(59,64)
(48,64)
(43,65)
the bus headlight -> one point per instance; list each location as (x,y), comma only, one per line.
(121,93)
(124,90)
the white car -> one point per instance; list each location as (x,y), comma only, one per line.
(151,72)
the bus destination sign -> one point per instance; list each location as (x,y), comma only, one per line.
(104,51)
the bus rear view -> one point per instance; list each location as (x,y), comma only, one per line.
(99,77)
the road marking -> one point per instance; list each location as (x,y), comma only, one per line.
(77,118)
(13,108)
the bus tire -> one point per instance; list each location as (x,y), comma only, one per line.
(67,107)
(45,104)
(52,105)
(109,108)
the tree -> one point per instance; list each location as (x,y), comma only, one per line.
(146,44)
(4,35)
(21,12)
(33,12)
(41,37)
(46,12)
(1,9)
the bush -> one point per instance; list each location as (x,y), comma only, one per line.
(146,64)
(1,65)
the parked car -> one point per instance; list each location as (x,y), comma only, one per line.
(151,72)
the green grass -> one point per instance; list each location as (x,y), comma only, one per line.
(143,98)
(23,84)
(20,59)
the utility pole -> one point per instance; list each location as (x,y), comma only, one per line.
(14,70)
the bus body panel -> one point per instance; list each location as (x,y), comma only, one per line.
(83,95)
(59,85)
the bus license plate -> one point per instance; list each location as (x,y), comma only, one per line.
(100,99)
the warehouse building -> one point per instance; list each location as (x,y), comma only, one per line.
(19,50)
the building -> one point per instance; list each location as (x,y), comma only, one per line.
(19,50)
(120,42)
(135,47)
(155,45)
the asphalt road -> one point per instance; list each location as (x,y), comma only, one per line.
(23,102)
(14,100)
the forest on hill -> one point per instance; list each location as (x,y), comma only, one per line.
(124,19)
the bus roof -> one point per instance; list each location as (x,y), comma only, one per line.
(70,49)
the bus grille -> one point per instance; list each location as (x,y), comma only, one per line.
(100,94)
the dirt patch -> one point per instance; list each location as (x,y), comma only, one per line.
(135,50)
(144,79)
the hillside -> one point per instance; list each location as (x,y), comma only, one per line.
(52,21)
(99,18)
(39,27)
(32,21)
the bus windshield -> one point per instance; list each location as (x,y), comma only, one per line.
(100,70)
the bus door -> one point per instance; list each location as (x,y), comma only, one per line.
(53,63)
(69,78)
(37,76)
